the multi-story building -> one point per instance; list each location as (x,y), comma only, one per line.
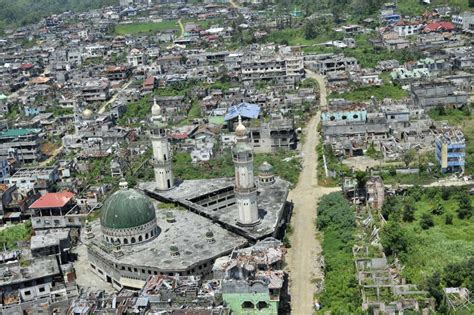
(438,93)
(38,178)
(404,28)
(137,58)
(451,150)
(325,63)
(21,144)
(4,170)
(284,66)
(26,285)
(55,210)
(96,91)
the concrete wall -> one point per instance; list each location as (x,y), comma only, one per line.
(356,115)
(236,300)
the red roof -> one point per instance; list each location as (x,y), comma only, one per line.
(53,200)
(149,81)
(439,26)
(26,66)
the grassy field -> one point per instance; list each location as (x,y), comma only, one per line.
(145,28)
(433,249)
(410,7)
(365,93)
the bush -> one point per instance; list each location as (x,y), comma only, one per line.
(11,235)
(448,219)
(409,212)
(426,221)
(393,239)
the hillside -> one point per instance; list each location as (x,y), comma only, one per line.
(362,8)
(22,12)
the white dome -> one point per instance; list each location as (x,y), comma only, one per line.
(87,114)
(240,130)
(156,110)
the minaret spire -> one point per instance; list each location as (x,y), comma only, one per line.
(245,188)
(162,162)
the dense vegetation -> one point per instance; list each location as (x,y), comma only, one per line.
(363,8)
(336,219)
(23,12)
(431,231)
(9,236)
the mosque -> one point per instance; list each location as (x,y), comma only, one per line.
(140,234)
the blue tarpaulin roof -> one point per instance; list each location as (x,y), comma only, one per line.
(246,110)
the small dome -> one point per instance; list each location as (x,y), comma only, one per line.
(265,167)
(127,208)
(87,113)
(155,109)
(240,131)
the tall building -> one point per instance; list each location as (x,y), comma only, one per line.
(451,150)
(245,188)
(162,162)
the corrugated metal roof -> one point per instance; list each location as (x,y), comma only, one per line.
(246,110)
(17,132)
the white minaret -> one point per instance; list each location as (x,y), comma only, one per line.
(245,188)
(162,162)
(156,116)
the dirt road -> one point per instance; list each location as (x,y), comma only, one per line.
(234,4)
(114,97)
(305,246)
(322,87)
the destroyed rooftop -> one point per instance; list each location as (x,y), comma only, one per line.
(48,238)
(271,202)
(452,136)
(187,233)
(40,268)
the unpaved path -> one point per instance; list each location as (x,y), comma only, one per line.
(234,4)
(322,87)
(305,246)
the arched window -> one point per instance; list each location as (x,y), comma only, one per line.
(146,235)
(344,117)
(140,238)
(248,305)
(133,240)
(125,241)
(262,305)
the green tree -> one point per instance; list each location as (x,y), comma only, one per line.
(310,31)
(465,209)
(393,239)
(408,212)
(433,286)
(426,221)
(438,209)
(448,219)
